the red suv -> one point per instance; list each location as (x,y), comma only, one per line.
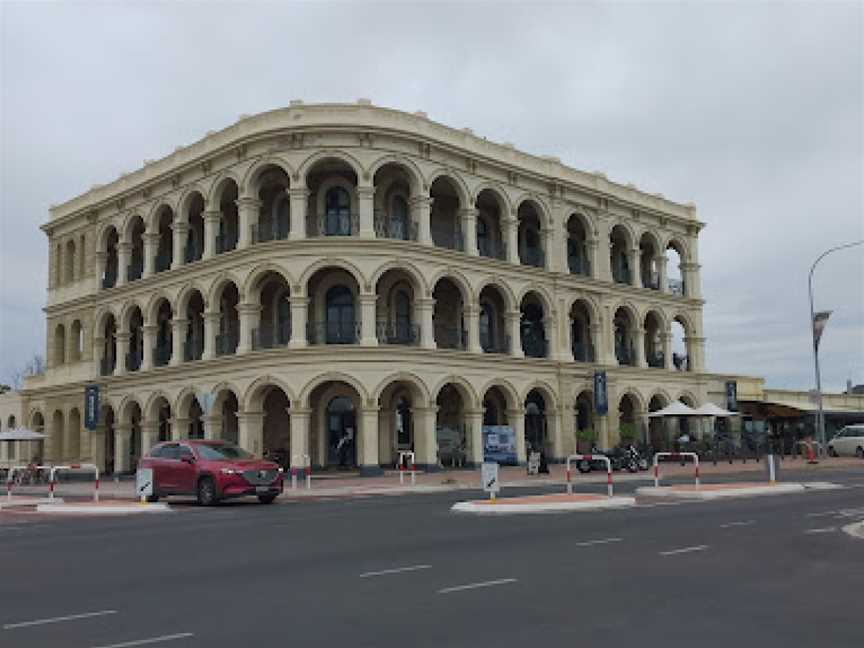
(211,470)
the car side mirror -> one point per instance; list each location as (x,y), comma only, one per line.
(187,459)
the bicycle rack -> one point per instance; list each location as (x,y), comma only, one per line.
(675,456)
(590,457)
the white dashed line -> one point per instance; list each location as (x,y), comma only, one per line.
(60,619)
(397,570)
(591,543)
(729,525)
(470,586)
(684,550)
(151,640)
(822,530)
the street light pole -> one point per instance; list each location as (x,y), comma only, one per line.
(820,418)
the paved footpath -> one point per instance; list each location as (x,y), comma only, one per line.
(773,572)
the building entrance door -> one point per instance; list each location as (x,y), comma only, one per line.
(341,433)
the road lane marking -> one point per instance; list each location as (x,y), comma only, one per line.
(822,530)
(470,586)
(821,514)
(70,617)
(729,525)
(684,550)
(151,640)
(591,543)
(396,570)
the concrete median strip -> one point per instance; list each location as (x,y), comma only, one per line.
(856,530)
(544,504)
(716,491)
(103,509)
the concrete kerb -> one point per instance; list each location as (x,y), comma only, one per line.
(715,491)
(102,509)
(576,503)
(856,530)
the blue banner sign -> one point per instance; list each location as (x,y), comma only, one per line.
(732,395)
(91,406)
(499,444)
(601,403)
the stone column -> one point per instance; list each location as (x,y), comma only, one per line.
(299,319)
(149,338)
(248,315)
(212,426)
(211,231)
(565,344)
(299,201)
(474,437)
(516,418)
(149,436)
(553,430)
(101,263)
(633,262)
(179,428)
(124,254)
(695,349)
(211,326)
(662,272)
(551,336)
(122,446)
(421,208)
(247,215)
(178,337)
(98,354)
(568,430)
(511,233)
(180,232)
(514,326)
(300,419)
(366,199)
(97,447)
(151,245)
(546,242)
(468,217)
(122,351)
(427,327)
(425,437)
(367,448)
(367,319)
(250,431)
(593,258)
(639,347)
(667,351)
(472,322)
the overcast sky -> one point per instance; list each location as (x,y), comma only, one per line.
(752,111)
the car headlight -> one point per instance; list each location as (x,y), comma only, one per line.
(231,471)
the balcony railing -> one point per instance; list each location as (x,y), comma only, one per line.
(583,352)
(226,344)
(534,346)
(162,262)
(135,270)
(656,360)
(396,229)
(492,249)
(266,234)
(161,355)
(133,361)
(578,265)
(225,243)
(106,366)
(680,362)
(651,280)
(620,273)
(336,225)
(533,256)
(193,349)
(110,278)
(194,252)
(450,338)
(397,333)
(625,355)
(676,286)
(333,332)
(496,345)
(268,337)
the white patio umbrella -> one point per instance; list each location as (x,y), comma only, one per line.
(710,409)
(675,409)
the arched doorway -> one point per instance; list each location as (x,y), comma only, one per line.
(109,439)
(450,429)
(586,433)
(341,432)
(276,426)
(659,435)
(627,432)
(536,438)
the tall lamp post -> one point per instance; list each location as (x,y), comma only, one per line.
(820,419)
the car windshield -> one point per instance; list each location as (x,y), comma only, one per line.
(221,452)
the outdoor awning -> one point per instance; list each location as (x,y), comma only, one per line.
(675,409)
(21,434)
(710,409)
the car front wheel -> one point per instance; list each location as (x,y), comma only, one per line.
(859,452)
(267,499)
(207,492)
(152,499)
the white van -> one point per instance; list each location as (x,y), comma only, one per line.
(848,442)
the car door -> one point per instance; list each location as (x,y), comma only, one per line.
(163,474)
(841,445)
(185,470)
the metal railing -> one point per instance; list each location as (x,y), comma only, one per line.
(106,366)
(578,265)
(651,280)
(226,344)
(333,332)
(268,337)
(395,229)
(680,362)
(161,355)
(583,352)
(492,249)
(193,349)
(620,274)
(135,270)
(533,256)
(109,280)
(162,262)
(193,252)
(676,286)
(225,243)
(500,344)
(534,346)
(625,355)
(450,337)
(266,234)
(133,361)
(656,359)
(397,333)
(336,225)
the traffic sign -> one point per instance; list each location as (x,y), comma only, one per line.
(489,477)
(144,482)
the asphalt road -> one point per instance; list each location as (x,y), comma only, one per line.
(404,571)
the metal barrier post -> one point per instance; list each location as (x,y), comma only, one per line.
(675,456)
(293,477)
(591,457)
(409,456)
(308,472)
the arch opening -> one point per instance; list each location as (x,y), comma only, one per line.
(392,199)
(493,321)
(274,319)
(619,251)
(531,248)
(581,342)
(334,296)
(448,315)
(333,200)
(624,338)
(396,308)
(274,214)
(490,234)
(578,261)
(532,326)
(444,220)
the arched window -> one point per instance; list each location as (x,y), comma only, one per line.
(340,316)
(483,243)
(337,212)
(403,423)
(403,316)
(486,326)
(399,218)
